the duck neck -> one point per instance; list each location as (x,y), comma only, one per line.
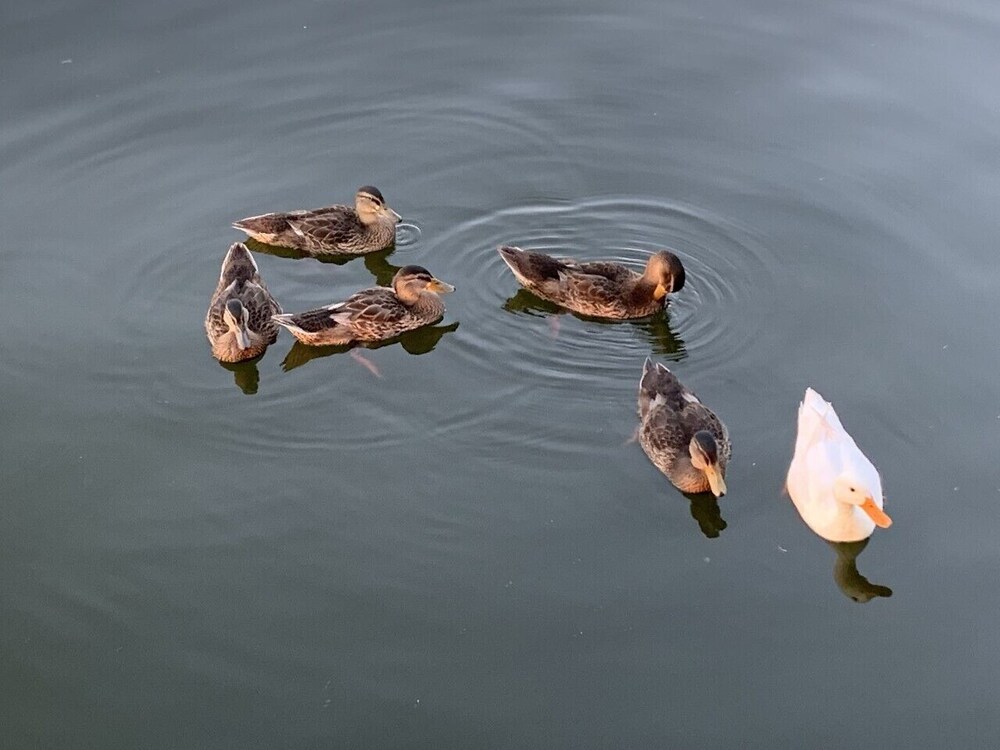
(644,289)
(228,349)
(850,522)
(688,478)
(426,305)
(380,228)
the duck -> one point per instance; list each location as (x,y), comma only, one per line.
(600,289)
(334,230)
(373,314)
(833,485)
(681,436)
(238,322)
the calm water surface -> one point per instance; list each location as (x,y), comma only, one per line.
(467,552)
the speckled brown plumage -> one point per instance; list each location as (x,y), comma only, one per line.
(670,414)
(240,280)
(372,314)
(366,228)
(600,289)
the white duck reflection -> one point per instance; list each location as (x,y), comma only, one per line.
(845,573)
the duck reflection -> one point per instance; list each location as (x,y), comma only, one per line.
(705,510)
(654,328)
(845,572)
(377,264)
(245,374)
(416,342)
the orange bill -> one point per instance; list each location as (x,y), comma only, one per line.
(876,514)
(716,482)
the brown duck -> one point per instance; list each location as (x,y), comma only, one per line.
(373,314)
(238,322)
(599,289)
(366,228)
(682,437)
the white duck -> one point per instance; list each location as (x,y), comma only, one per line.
(834,486)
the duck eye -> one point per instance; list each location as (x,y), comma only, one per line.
(852,489)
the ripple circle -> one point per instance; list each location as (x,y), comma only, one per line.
(545,358)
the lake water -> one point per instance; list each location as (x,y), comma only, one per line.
(467,552)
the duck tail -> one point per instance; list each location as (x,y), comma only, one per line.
(817,420)
(514,257)
(289,323)
(530,267)
(265,224)
(656,384)
(817,408)
(246,225)
(812,400)
(238,265)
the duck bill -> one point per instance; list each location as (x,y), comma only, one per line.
(660,292)
(716,482)
(439,287)
(394,215)
(242,338)
(878,516)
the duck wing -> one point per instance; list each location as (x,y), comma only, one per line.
(697,416)
(261,306)
(215,325)
(613,272)
(378,304)
(334,225)
(663,435)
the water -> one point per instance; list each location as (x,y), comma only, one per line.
(467,552)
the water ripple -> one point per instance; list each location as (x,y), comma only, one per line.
(550,362)
(707,322)
(407,233)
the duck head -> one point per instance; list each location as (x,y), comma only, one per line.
(852,490)
(665,271)
(237,318)
(410,281)
(705,458)
(371,206)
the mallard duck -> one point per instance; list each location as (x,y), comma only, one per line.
(368,227)
(238,322)
(599,289)
(834,486)
(373,314)
(682,437)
